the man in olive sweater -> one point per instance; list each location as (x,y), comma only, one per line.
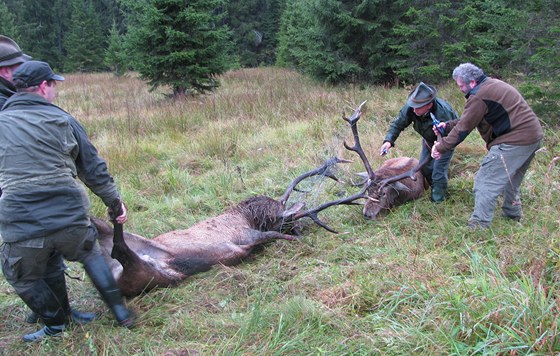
(512,133)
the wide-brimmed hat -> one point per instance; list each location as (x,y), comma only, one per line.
(10,53)
(33,73)
(422,95)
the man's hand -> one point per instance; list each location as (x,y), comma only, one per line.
(435,153)
(117,212)
(385,148)
(439,128)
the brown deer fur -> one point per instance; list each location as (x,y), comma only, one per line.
(385,197)
(139,264)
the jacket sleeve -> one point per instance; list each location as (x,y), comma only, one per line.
(400,123)
(91,168)
(475,110)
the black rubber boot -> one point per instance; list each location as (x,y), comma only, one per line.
(76,317)
(32,318)
(43,301)
(58,286)
(101,276)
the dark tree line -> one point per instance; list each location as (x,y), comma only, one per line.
(186,43)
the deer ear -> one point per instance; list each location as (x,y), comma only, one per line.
(293,209)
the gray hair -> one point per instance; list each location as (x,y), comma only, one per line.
(467,72)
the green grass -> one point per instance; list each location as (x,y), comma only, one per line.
(414,282)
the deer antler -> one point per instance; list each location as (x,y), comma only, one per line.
(313,213)
(353,121)
(324,170)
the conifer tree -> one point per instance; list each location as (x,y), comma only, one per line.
(7,25)
(254,24)
(115,56)
(177,43)
(84,39)
(41,26)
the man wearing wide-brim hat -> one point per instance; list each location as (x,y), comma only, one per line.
(11,57)
(422,102)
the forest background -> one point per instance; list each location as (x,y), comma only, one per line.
(393,43)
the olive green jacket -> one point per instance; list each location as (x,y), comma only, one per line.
(441,109)
(7,89)
(43,150)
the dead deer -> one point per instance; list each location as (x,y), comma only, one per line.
(140,264)
(395,182)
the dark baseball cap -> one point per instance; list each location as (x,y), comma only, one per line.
(33,73)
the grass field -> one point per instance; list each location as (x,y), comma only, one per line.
(414,282)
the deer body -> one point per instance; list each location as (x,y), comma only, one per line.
(168,259)
(140,264)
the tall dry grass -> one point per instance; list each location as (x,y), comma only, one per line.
(415,282)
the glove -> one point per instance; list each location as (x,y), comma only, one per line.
(117,212)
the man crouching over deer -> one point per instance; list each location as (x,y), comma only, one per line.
(421,109)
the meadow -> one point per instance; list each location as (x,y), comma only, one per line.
(417,281)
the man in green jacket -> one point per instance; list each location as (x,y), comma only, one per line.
(512,133)
(44,210)
(423,102)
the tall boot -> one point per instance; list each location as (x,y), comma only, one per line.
(41,299)
(439,190)
(58,286)
(101,276)
(32,318)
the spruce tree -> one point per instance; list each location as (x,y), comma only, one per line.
(115,56)
(254,24)
(83,40)
(41,27)
(177,43)
(7,25)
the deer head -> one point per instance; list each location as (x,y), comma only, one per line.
(382,193)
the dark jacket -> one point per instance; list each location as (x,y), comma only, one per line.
(441,109)
(7,89)
(499,113)
(43,149)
